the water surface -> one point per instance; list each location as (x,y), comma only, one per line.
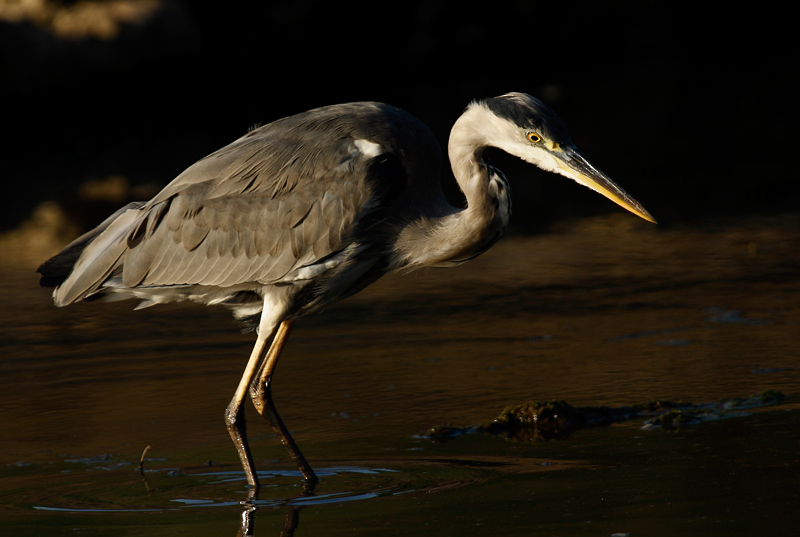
(606,311)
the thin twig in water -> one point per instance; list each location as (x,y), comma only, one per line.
(141,461)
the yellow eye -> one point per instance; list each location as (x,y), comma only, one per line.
(533,137)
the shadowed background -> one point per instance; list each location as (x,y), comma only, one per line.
(692,109)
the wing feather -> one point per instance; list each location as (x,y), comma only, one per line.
(280,198)
(181,263)
(193,232)
(232,273)
(158,272)
(200,271)
(220,269)
(282,236)
(312,226)
(98,260)
(296,242)
(322,247)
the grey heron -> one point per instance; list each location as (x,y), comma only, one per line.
(305,211)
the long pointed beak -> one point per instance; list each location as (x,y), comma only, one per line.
(577,167)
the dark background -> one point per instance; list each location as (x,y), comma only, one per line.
(691,109)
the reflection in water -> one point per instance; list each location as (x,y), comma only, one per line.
(291,520)
(292,512)
(402,482)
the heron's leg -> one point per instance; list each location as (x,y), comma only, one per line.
(234,414)
(260,384)
(268,410)
(261,394)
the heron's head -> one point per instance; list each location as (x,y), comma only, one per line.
(527,128)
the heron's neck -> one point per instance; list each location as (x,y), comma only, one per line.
(462,234)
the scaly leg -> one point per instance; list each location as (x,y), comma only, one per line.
(288,442)
(234,414)
(261,394)
(259,386)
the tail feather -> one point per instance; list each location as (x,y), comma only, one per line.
(82,266)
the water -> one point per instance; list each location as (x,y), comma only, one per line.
(605,311)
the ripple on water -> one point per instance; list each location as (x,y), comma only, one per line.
(115,490)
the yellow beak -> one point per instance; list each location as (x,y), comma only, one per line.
(577,167)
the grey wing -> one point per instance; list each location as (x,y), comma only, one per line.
(256,212)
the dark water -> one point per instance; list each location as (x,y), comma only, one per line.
(608,311)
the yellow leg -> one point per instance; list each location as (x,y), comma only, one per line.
(260,384)
(234,414)
(261,394)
